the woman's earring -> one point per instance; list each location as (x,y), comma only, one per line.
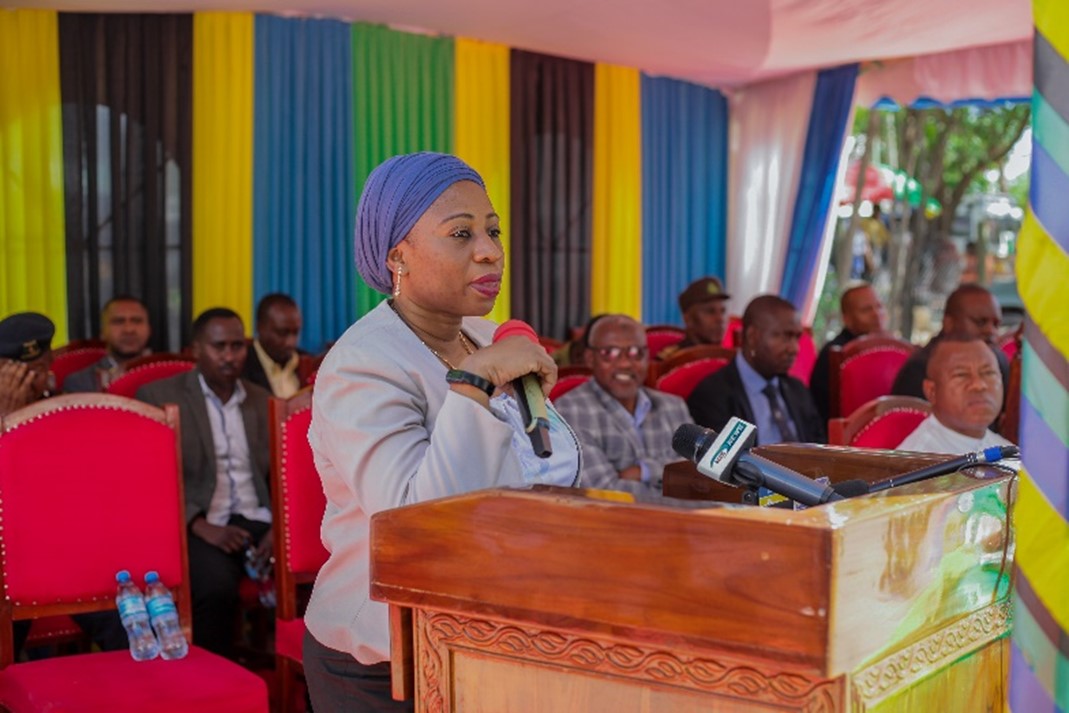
(397,284)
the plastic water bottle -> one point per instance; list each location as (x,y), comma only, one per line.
(164,618)
(134,615)
(260,569)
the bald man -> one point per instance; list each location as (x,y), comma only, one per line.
(624,429)
(862,313)
(964,387)
(756,386)
(971,311)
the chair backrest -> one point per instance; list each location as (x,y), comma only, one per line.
(298,501)
(127,383)
(863,370)
(157,357)
(660,336)
(1010,343)
(733,332)
(683,379)
(685,356)
(567,382)
(74,357)
(802,369)
(881,423)
(89,484)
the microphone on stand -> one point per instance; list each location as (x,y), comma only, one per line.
(529,394)
(726,457)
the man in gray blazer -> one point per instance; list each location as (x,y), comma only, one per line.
(225,464)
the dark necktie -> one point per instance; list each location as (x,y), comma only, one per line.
(779,414)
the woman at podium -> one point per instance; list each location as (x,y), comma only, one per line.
(408,404)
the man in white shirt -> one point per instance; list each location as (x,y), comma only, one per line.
(964,386)
(225,464)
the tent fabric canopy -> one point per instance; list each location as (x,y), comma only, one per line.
(720,43)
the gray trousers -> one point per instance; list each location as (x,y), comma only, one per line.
(338,682)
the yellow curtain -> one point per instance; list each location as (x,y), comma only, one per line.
(481,100)
(616,259)
(33,273)
(222,162)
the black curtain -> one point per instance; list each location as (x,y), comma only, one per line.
(127,87)
(552,105)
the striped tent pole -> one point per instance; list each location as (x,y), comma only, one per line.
(1039,664)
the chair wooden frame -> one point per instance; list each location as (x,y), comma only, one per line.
(839,357)
(279,412)
(168,416)
(1009,425)
(843,430)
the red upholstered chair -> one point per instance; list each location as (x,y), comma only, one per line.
(75,356)
(686,356)
(863,370)
(683,379)
(108,498)
(881,423)
(127,383)
(733,333)
(1010,343)
(298,503)
(568,377)
(659,336)
(802,368)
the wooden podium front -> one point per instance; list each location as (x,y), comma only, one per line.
(554,601)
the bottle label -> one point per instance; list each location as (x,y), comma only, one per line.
(159,606)
(131,606)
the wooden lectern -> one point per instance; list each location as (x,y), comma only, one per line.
(553,601)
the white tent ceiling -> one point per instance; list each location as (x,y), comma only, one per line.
(714,42)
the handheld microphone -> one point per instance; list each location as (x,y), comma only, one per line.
(988,455)
(725,457)
(529,393)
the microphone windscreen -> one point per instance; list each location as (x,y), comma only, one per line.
(515,328)
(685,440)
(851,488)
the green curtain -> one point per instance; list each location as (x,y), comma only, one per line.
(402,102)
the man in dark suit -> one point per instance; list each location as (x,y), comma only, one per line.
(755,386)
(274,359)
(125,329)
(863,313)
(225,463)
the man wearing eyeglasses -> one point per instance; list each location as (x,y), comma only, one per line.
(625,430)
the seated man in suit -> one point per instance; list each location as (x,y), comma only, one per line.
(225,463)
(863,313)
(971,311)
(624,429)
(125,329)
(704,308)
(274,359)
(755,386)
(965,389)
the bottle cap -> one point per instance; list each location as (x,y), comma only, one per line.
(152,576)
(122,576)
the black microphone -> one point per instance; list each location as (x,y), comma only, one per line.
(529,394)
(725,457)
(988,455)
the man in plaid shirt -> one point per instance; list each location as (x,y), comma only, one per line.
(625,430)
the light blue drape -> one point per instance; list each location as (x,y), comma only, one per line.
(303,194)
(833,96)
(684,191)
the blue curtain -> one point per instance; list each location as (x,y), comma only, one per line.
(303,194)
(684,192)
(832,99)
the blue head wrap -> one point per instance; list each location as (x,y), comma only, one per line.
(397,193)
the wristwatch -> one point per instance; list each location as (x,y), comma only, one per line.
(459,376)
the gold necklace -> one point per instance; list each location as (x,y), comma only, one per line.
(466,343)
